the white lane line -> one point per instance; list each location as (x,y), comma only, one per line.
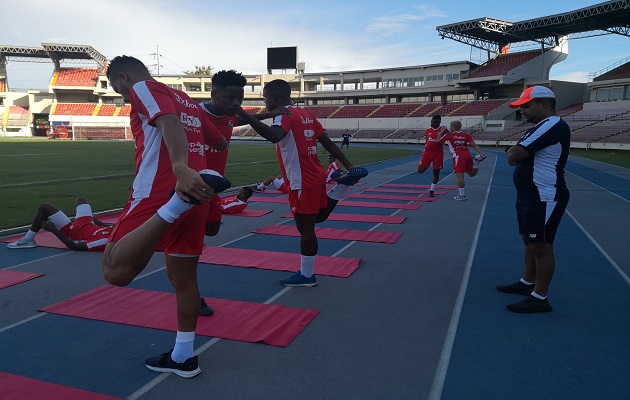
(64,180)
(597,186)
(601,250)
(37,260)
(447,349)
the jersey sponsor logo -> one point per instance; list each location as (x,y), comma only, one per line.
(434,140)
(312,150)
(532,236)
(309,133)
(190,120)
(184,102)
(231,124)
(306,120)
(196,147)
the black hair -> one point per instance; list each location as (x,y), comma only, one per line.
(437,116)
(125,63)
(247,191)
(552,101)
(279,87)
(225,78)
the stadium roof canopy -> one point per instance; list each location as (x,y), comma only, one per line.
(71,53)
(611,17)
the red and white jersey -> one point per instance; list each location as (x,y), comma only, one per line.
(149,100)
(432,136)
(232,205)
(458,142)
(84,230)
(297,150)
(215,159)
(331,168)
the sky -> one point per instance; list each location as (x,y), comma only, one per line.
(330,35)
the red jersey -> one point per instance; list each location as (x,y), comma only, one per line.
(232,205)
(331,168)
(297,150)
(150,99)
(458,141)
(432,136)
(215,159)
(84,230)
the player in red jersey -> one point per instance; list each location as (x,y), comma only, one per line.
(296,137)
(238,203)
(463,162)
(170,132)
(86,232)
(433,151)
(332,167)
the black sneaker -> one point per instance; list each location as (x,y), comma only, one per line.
(204,309)
(164,363)
(431,193)
(530,305)
(516,288)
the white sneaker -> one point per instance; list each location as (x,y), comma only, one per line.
(480,157)
(22,244)
(460,197)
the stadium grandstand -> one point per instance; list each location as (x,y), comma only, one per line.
(392,105)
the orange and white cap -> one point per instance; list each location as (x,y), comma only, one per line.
(534,92)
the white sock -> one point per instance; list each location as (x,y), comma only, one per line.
(476,164)
(173,209)
(462,191)
(336,193)
(261,186)
(30,235)
(184,346)
(524,282)
(307,265)
(433,187)
(539,297)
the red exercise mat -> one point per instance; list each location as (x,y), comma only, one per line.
(390,197)
(347,203)
(235,320)
(374,204)
(10,278)
(277,261)
(383,219)
(43,238)
(410,185)
(15,387)
(333,233)
(405,191)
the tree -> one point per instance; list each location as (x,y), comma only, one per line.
(200,70)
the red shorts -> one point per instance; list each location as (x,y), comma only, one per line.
(184,236)
(462,162)
(309,200)
(214,210)
(435,157)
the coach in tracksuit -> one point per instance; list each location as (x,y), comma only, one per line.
(542,196)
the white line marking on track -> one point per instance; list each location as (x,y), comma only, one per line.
(604,189)
(64,180)
(601,250)
(39,259)
(440,374)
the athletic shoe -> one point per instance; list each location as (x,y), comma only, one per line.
(212,178)
(480,157)
(530,305)
(431,193)
(516,288)
(22,244)
(460,197)
(164,363)
(204,309)
(299,280)
(349,176)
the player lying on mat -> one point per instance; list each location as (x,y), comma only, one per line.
(86,232)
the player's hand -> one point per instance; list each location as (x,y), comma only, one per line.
(48,226)
(189,183)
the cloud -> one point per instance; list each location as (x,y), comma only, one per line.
(395,23)
(577,76)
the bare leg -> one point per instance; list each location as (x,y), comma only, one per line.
(125,259)
(305,224)
(182,273)
(545,266)
(43,212)
(436,176)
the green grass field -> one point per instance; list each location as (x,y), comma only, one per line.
(33,172)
